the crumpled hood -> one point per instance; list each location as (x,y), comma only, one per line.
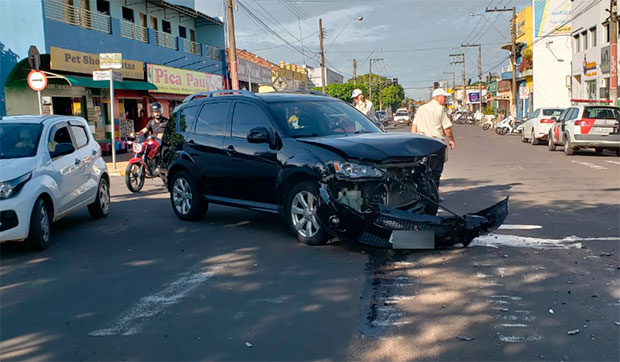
(15,167)
(378,147)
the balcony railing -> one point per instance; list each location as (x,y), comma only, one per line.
(214,53)
(166,40)
(133,31)
(56,10)
(192,47)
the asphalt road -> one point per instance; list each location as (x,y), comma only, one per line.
(142,285)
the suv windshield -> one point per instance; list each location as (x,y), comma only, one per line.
(321,118)
(552,112)
(19,140)
(601,113)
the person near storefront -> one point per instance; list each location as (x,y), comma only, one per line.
(157,124)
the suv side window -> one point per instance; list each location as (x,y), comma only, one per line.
(247,116)
(574,114)
(563,115)
(212,118)
(59,134)
(81,137)
(536,113)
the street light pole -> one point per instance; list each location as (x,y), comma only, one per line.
(234,77)
(322,55)
(613,49)
(479,71)
(461,61)
(370,75)
(513,55)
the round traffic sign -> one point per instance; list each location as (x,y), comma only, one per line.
(37,80)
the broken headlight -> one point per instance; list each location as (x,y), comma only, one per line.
(353,170)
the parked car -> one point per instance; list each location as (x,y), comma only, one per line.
(382,117)
(314,159)
(51,166)
(586,126)
(536,129)
(402,115)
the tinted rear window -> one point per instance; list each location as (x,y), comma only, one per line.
(552,112)
(602,113)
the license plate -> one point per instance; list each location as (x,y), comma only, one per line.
(603,130)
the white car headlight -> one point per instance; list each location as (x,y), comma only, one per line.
(355,170)
(12,187)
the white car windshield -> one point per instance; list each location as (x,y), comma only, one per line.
(19,140)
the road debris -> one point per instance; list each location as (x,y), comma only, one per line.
(551,311)
(617,323)
(249,345)
(465,338)
(573,332)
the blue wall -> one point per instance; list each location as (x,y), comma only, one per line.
(72,37)
(21,25)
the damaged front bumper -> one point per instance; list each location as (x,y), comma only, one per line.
(388,227)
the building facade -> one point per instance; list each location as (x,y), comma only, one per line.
(552,53)
(331,77)
(169,50)
(591,51)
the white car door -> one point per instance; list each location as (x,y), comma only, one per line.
(85,153)
(65,165)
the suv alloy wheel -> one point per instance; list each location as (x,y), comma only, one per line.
(185,197)
(40,226)
(300,212)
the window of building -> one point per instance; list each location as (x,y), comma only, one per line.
(584,40)
(127,14)
(182,32)
(604,91)
(103,6)
(576,44)
(606,32)
(591,89)
(165,27)
(593,37)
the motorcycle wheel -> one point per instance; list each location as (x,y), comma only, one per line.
(133,179)
(501,131)
(486,126)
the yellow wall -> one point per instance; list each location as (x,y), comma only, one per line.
(524,26)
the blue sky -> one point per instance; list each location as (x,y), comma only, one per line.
(414,37)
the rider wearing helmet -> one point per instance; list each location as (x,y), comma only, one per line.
(157,124)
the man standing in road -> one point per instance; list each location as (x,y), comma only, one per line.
(363,105)
(432,120)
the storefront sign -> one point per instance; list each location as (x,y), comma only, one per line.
(605,57)
(78,62)
(589,68)
(252,72)
(552,17)
(181,81)
(503,86)
(524,92)
(110,60)
(105,75)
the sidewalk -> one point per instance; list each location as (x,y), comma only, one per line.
(121,163)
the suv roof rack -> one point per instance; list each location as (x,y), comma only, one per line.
(304,91)
(218,93)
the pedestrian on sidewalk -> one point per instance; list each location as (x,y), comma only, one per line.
(363,105)
(432,120)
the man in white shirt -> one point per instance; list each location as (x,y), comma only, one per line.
(432,120)
(363,105)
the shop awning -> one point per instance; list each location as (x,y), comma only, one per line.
(125,84)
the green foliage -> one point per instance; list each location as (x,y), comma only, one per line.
(342,91)
(490,110)
(393,96)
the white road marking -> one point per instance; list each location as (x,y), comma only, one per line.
(519,339)
(514,325)
(570,242)
(526,318)
(591,165)
(497,301)
(506,297)
(133,320)
(519,227)
(614,162)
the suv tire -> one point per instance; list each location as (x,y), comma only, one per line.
(40,233)
(523,138)
(300,211)
(187,202)
(100,208)
(534,140)
(568,148)
(551,144)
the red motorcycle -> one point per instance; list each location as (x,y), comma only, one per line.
(143,164)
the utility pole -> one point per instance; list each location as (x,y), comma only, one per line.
(453,80)
(322,55)
(513,55)
(613,49)
(370,75)
(234,76)
(354,70)
(461,61)
(479,72)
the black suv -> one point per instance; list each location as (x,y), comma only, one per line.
(314,158)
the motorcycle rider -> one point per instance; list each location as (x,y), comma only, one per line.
(157,124)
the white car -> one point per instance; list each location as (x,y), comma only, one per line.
(50,166)
(402,116)
(536,129)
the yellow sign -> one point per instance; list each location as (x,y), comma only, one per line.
(181,81)
(110,60)
(78,62)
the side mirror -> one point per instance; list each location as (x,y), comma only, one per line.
(62,149)
(259,135)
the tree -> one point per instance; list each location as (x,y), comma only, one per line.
(379,84)
(393,96)
(342,91)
